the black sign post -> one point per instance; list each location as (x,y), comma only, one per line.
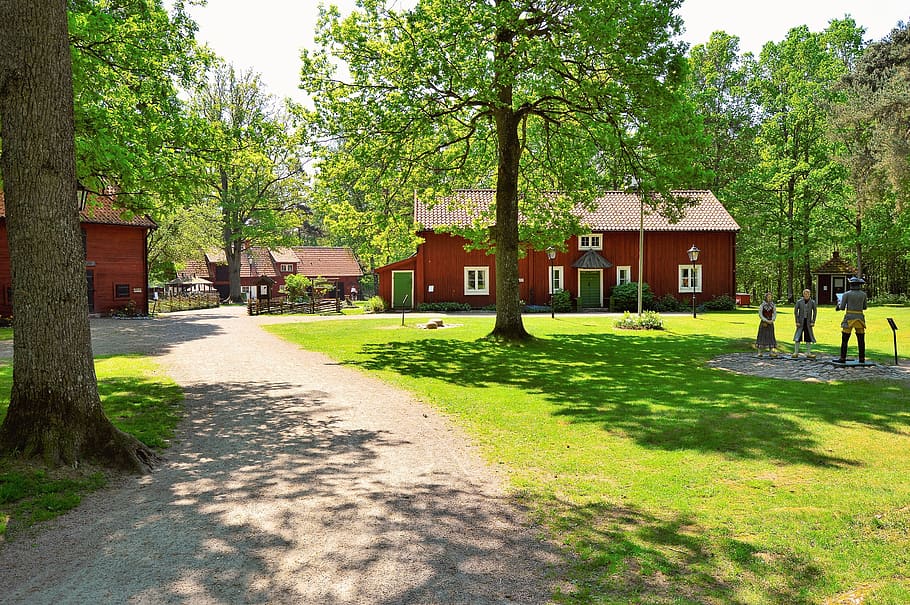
(404,306)
(894,331)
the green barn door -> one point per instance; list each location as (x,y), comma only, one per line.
(589,290)
(402,289)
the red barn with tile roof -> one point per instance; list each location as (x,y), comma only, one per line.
(337,265)
(590,266)
(116,259)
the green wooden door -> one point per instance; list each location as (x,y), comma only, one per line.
(402,289)
(589,292)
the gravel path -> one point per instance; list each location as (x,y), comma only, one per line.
(293,480)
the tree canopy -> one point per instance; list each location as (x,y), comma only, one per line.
(526,97)
(254,169)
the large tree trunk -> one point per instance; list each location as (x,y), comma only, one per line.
(791,247)
(55,412)
(509,325)
(233,247)
(233,250)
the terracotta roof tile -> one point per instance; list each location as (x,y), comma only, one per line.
(284,255)
(315,261)
(836,265)
(198,268)
(257,262)
(312,261)
(103,209)
(613,211)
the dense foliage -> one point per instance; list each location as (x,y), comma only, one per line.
(523,97)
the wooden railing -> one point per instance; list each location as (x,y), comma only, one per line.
(273,306)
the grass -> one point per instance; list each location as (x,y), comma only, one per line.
(136,397)
(664,480)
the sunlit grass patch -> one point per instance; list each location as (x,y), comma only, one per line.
(668,481)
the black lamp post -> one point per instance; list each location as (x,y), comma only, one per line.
(693,256)
(551,254)
(81,196)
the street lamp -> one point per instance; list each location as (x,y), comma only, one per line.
(551,254)
(693,256)
(81,196)
(635,186)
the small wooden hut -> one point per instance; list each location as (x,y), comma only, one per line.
(831,279)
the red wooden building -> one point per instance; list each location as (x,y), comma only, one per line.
(832,278)
(116,258)
(262,269)
(590,265)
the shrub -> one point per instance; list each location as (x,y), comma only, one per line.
(128,310)
(890,299)
(443,307)
(669,304)
(720,303)
(625,297)
(296,286)
(649,320)
(374,305)
(562,301)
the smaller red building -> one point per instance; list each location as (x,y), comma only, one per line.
(338,266)
(116,258)
(832,278)
(589,266)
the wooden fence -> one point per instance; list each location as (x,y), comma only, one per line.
(267,306)
(184,302)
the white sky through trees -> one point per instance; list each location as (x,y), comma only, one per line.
(267,35)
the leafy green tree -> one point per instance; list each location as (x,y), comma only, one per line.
(361,201)
(296,286)
(870,123)
(134,134)
(527,96)
(798,172)
(721,86)
(55,412)
(133,131)
(255,166)
(183,232)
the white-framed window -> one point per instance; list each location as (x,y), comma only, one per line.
(476,280)
(623,275)
(556,280)
(287,267)
(591,241)
(249,291)
(689,281)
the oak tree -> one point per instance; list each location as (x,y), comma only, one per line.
(55,412)
(527,96)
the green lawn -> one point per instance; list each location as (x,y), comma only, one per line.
(137,398)
(667,481)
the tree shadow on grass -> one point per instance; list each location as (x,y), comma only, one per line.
(657,391)
(628,556)
(272,496)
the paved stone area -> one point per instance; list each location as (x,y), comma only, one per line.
(821,369)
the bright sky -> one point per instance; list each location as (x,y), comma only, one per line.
(267,35)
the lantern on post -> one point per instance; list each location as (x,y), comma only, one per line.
(551,254)
(81,196)
(693,256)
